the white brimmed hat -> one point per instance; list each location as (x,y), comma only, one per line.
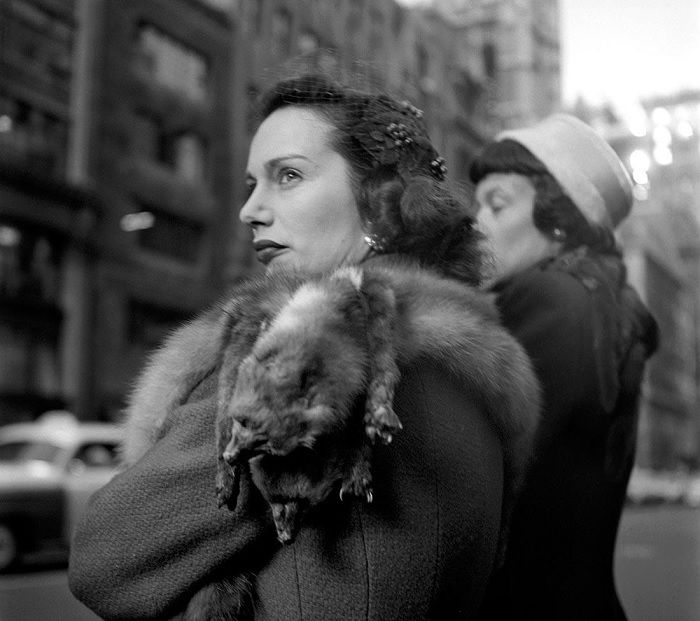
(583,163)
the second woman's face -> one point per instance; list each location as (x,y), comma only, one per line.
(506,202)
(301,207)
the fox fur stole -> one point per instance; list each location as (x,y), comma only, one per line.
(295,351)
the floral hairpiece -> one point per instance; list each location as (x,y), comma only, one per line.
(394,133)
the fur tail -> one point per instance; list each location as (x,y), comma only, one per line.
(230,599)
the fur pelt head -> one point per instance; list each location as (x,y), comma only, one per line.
(304,372)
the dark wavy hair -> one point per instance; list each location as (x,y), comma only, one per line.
(553,209)
(413,214)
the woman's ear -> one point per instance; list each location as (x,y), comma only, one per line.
(382,210)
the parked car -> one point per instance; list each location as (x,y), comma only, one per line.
(48,471)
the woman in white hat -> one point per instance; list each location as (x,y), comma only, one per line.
(550,197)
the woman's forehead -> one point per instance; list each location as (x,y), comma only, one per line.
(509,182)
(292,129)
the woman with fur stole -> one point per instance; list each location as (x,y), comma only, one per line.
(550,197)
(346,191)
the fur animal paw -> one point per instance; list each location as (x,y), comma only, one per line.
(286,517)
(227,484)
(382,423)
(359,482)
(361,489)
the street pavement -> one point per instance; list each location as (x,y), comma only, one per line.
(658,563)
(40,596)
(657,570)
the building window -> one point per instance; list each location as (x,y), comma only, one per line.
(147,134)
(173,64)
(422,61)
(308,41)
(29,265)
(257,12)
(184,152)
(187,154)
(397,20)
(468,92)
(171,236)
(355,15)
(225,6)
(31,138)
(376,37)
(281,34)
(252,109)
(490,56)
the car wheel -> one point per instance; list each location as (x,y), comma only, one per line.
(8,547)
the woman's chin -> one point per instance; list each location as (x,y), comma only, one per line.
(284,260)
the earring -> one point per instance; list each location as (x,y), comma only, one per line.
(558,235)
(376,243)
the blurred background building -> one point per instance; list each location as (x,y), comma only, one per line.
(124,126)
(660,145)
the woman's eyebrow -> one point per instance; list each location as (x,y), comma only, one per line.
(276,161)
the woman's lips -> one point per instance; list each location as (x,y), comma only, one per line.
(267,250)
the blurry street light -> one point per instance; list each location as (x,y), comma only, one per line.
(662,136)
(9,236)
(639,160)
(640,176)
(641,192)
(685,130)
(661,116)
(137,221)
(5,123)
(663,155)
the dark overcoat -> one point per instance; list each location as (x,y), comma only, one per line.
(588,335)
(423,549)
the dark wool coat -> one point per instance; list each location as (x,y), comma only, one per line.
(423,549)
(588,337)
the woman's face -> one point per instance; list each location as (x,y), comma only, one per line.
(301,207)
(506,202)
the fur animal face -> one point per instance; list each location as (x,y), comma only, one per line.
(303,373)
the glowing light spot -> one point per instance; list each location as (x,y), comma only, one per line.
(639,160)
(640,192)
(662,136)
(661,116)
(137,221)
(685,130)
(640,176)
(9,236)
(663,155)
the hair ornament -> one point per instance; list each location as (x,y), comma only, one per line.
(375,242)
(394,134)
(438,167)
(417,112)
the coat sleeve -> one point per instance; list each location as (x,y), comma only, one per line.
(551,314)
(153,535)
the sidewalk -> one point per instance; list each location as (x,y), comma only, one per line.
(654,487)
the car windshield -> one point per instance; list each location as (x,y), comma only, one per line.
(24,451)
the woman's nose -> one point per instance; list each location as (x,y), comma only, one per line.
(254,211)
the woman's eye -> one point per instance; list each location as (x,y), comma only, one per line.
(249,188)
(287,175)
(497,203)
